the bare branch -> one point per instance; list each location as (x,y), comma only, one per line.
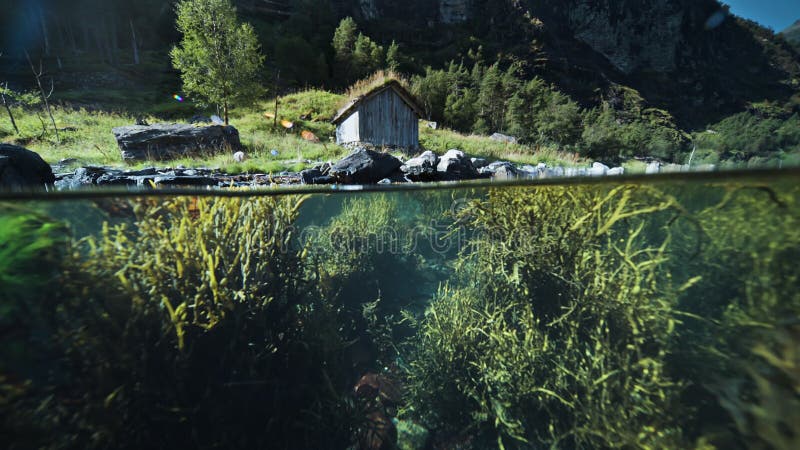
(45,97)
(8,108)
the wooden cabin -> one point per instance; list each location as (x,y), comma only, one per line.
(386,116)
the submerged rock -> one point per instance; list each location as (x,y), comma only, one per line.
(21,168)
(166,141)
(364,167)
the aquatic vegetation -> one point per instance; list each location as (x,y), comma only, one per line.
(200,258)
(27,241)
(31,246)
(561,334)
(362,262)
(738,347)
(196,322)
(356,242)
(600,316)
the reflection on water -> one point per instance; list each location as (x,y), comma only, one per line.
(642,315)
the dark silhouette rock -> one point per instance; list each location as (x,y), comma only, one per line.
(22,169)
(167,141)
(316,176)
(364,167)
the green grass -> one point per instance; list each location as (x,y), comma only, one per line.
(439,141)
(89,140)
(86,135)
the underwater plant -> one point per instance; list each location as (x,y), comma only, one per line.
(363,239)
(202,257)
(363,261)
(737,346)
(194,327)
(561,331)
(31,247)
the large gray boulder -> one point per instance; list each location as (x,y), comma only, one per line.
(454,165)
(364,166)
(22,169)
(500,170)
(422,167)
(503,138)
(167,141)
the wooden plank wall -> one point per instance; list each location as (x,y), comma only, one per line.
(386,120)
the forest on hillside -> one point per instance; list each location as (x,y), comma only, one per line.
(511,70)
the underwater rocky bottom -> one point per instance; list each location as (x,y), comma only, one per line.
(658,314)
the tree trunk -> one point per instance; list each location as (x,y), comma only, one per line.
(225,111)
(45,35)
(135,45)
(8,108)
(61,30)
(71,34)
(277,83)
(98,42)
(113,39)
(85,36)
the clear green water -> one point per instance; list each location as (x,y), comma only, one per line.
(649,313)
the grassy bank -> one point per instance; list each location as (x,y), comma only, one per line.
(85,136)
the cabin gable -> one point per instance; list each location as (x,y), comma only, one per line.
(386,116)
(385,119)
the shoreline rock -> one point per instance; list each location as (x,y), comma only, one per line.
(363,166)
(166,141)
(22,169)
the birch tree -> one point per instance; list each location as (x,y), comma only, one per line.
(219,58)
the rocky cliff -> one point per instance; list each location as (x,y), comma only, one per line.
(434,11)
(792,34)
(687,56)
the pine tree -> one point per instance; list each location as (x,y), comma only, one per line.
(219,58)
(491,101)
(393,57)
(344,44)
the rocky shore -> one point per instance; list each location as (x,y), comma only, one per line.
(362,166)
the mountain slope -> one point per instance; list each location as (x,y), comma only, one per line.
(792,34)
(690,57)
